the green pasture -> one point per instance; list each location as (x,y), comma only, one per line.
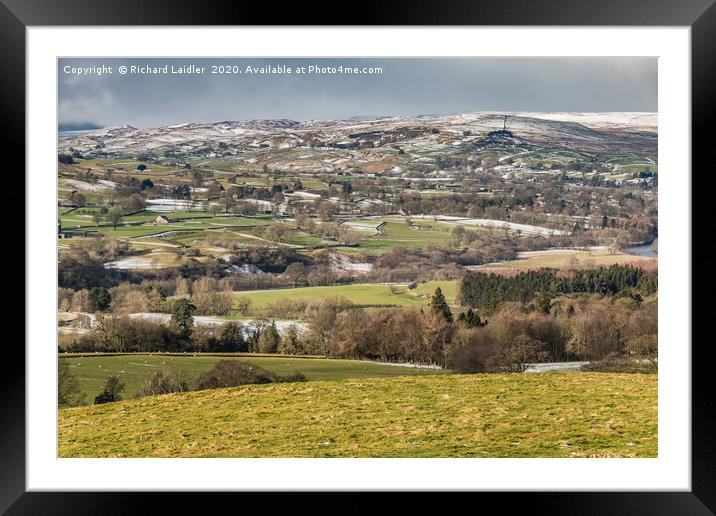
(92,370)
(359,294)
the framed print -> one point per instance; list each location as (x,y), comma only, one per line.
(408,251)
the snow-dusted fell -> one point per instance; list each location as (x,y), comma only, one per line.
(619,133)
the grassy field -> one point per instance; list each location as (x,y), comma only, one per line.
(122,166)
(395,233)
(517,415)
(190,219)
(567,258)
(398,234)
(359,294)
(92,371)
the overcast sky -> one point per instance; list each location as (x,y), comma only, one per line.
(412,86)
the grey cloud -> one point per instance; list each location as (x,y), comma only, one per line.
(408,86)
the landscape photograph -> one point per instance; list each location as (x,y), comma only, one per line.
(357,257)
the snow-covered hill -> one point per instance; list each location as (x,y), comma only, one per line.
(621,133)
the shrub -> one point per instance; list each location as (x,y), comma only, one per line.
(164,382)
(230,373)
(645,349)
(615,363)
(111,391)
(296,376)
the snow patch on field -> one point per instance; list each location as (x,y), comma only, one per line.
(168,205)
(408,364)
(250,325)
(367,227)
(554,366)
(601,120)
(84,185)
(340,262)
(490,223)
(133,262)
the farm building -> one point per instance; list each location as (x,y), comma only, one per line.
(161,220)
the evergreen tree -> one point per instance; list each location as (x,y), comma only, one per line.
(183,316)
(439,305)
(470,318)
(232,338)
(99,299)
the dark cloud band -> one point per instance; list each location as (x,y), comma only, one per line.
(400,87)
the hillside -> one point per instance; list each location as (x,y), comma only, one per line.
(603,133)
(540,415)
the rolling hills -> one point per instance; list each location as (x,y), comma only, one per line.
(616,133)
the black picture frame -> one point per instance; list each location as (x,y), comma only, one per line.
(700,15)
